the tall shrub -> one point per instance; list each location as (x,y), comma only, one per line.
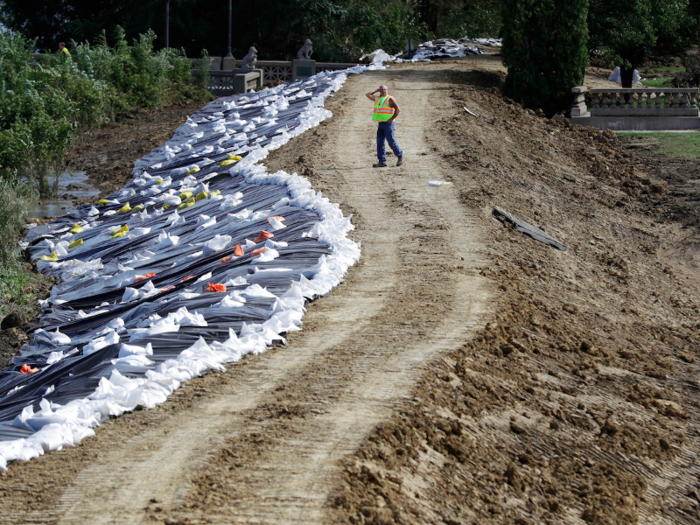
(544,49)
(44,104)
(36,124)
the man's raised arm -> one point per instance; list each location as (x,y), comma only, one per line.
(370,95)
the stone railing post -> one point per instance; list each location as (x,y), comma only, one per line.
(579,109)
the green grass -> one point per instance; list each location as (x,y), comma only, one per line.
(685,145)
(656,82)
(656,77)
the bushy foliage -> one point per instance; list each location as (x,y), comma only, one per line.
(544,49)
(43,104)
(628,31)
(458,18)
(340,30)
(385,26)
(36,125)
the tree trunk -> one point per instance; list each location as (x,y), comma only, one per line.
(626,77)
(626,74)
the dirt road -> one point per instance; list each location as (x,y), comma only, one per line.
(279,424)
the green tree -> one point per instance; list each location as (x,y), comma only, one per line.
(544,49)
(628,31)
(458,18)
(340,29)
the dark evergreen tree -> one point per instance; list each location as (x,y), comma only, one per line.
(544,49)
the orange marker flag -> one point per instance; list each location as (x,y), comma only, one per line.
(264,236)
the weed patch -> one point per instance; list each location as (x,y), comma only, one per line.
(686,145)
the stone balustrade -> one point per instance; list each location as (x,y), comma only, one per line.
(638,109)
(273,70)
(645,102)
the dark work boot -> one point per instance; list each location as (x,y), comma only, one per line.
(400,161)
(379,165)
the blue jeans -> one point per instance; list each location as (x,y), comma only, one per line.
(385,132)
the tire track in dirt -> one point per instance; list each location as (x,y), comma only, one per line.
(264,445)
(432,305)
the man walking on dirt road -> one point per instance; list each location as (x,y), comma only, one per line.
(385,112)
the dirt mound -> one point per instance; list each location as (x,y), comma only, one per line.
(579,400)
(680,175)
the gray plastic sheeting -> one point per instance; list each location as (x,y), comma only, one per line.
(527,229)
(133,315)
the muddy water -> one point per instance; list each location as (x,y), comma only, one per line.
(72,187)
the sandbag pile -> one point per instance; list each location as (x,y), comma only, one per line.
(202,258)
(486,42)
(425,52)
(444,48)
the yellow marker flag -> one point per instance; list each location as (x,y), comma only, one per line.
(186,204)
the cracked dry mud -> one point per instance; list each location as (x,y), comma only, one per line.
(463,373)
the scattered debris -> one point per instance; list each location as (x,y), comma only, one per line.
(527,229)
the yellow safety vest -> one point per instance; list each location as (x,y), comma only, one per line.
(382,110)
(66,55)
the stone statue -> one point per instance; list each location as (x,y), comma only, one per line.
(306,50)
(250,59)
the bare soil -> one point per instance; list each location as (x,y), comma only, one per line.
(682,175)
(579,400)
(108,154)
(463,372)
